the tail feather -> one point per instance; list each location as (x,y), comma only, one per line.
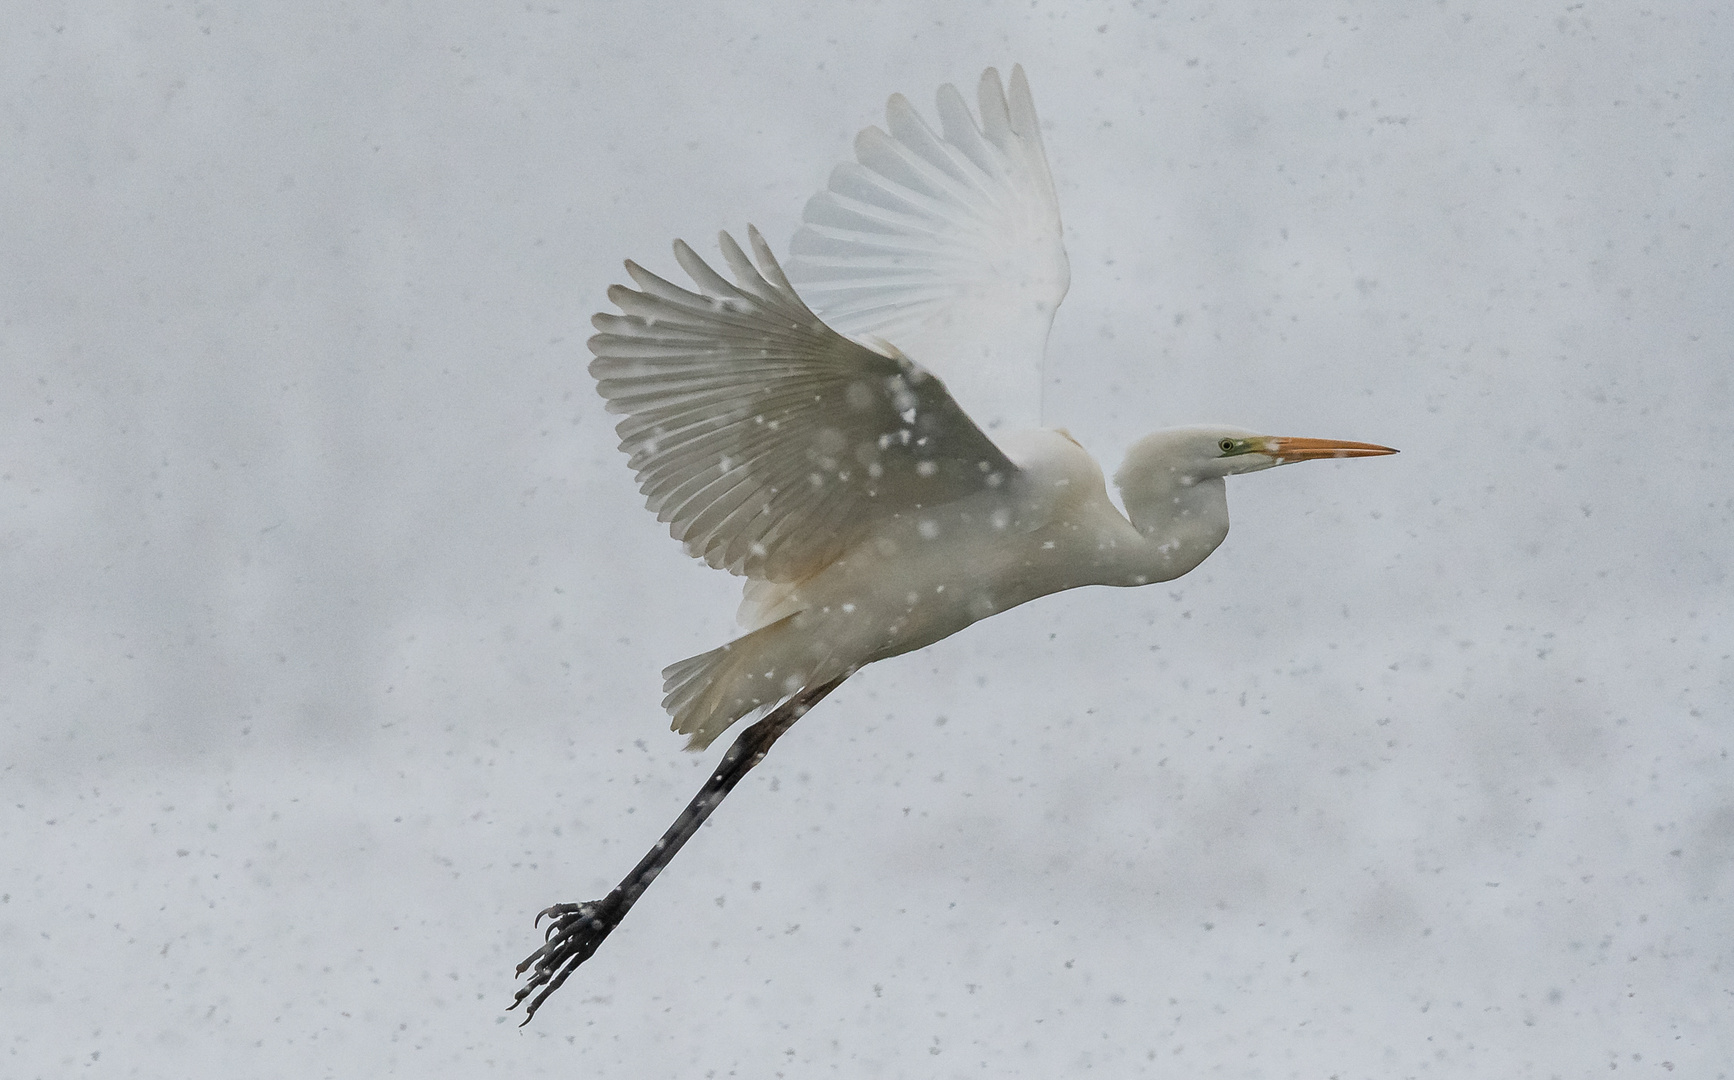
(707,693)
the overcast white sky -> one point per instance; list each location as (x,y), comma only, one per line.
(331,620)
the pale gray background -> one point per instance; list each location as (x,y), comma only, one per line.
(331,620)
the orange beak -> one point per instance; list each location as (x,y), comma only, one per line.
(1286,450)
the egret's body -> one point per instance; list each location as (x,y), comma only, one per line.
(919,578)
(817,458)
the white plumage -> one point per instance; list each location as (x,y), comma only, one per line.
(768,441)
(869,514)
(818,457)
(946,244)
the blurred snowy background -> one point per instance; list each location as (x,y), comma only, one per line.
(331,621)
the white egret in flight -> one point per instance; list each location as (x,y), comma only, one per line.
(795,437)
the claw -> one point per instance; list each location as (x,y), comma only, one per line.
(558,911)
(574,931)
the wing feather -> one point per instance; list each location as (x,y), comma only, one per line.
(946,244)
(766,440)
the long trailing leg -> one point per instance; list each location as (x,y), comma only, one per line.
(577,929)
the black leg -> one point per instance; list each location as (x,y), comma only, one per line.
(577,929)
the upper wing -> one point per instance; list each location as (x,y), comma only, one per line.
(946,244)
(770,442)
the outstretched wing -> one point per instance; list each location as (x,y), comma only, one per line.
(946,244)
(769,442)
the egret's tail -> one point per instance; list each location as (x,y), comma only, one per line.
(708,692)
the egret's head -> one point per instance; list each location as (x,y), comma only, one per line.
(1190,454)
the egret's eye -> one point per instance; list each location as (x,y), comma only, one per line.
(1226,446)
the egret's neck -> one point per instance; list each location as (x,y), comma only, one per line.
(1182,519)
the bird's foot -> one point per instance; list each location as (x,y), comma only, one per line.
(574,932)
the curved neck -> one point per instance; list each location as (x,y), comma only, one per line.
(1182,518)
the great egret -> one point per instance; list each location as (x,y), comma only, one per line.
(868,513)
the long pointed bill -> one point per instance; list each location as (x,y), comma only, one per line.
(1286,450)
